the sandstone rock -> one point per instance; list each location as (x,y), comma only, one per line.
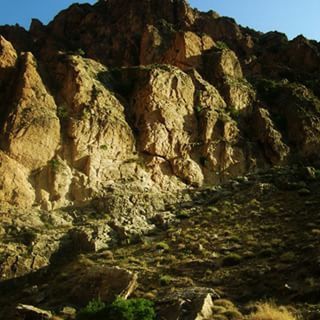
(27,312)
(223,156)
(60,178)
(189,304)
(98,281)
(163,112)
(99,136)
(32,130)
(302,54)
(275,149)
(15,187)
(188,170)
(224,69)
(225,63)
(207,95)
(181,49)
(8,60)
(86,239)
(238,94)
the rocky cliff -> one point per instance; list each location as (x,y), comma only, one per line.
(153,94)
(114,116)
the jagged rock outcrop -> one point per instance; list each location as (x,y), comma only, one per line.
(32,129)
(15,189)
(160,103)
(8,60)
(275,150)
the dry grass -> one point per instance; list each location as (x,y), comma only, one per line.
(267,311)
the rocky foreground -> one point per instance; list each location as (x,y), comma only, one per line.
(152,150)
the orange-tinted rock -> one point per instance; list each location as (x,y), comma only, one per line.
(32,130)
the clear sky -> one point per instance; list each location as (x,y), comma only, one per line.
(292,17)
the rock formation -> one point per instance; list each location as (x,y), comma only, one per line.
(165,100)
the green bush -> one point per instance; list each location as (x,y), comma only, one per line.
(120,309)
(221,45)
(132,309)
(93,311)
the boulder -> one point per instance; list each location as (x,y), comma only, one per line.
(15,188)
(27,312)
(188,304)
(87,280)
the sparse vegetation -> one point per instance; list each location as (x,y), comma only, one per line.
(55,164)
(62,112)
(104,147)
(93,311)
(221,45)
(267,311)
(80,52)
(165,280)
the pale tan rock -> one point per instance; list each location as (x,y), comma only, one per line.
(8,59)
(188,170)
(8,54)
(224,69)
(207,95)
(60,178)
(221,136)
(15,188)
(226,64)
(238,93)
(188,304)
(186,50)
(31,312)
(96,125)
(181,49)
(161,173)
(275,149)
(164,112)
(110,282)
(32,129)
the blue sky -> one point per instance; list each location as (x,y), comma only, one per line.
(292,17)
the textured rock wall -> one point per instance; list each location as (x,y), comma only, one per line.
(160,98)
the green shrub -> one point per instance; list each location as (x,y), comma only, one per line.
(132,309)
(93,311)
(165,280)
(62,112)
(221,45)
(55,165)
(104,147)
(120,309)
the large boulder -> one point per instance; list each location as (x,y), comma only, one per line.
(15,188)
